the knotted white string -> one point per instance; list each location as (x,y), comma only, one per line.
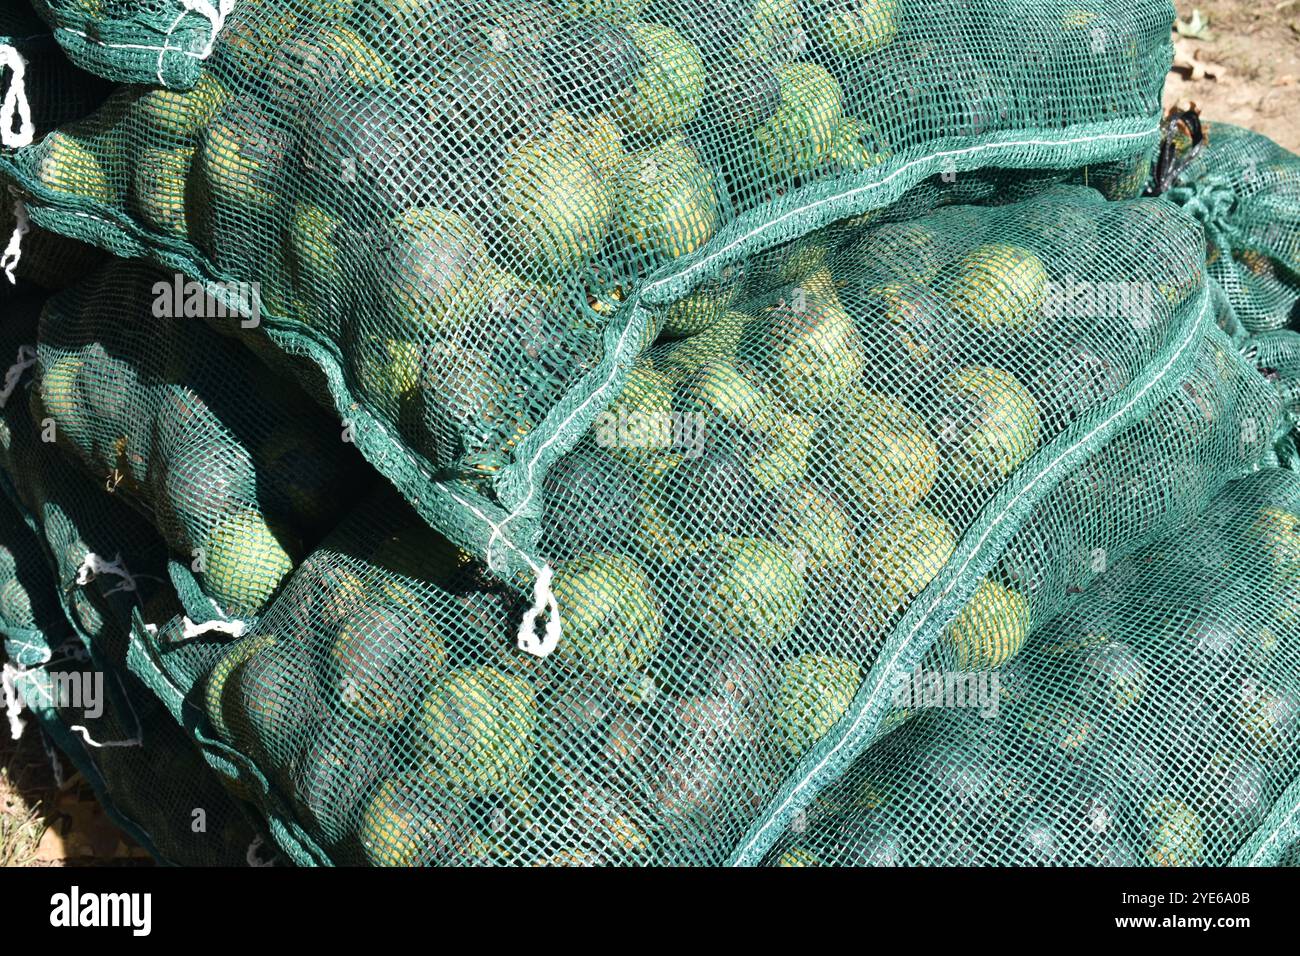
(191,630)
(13,700)
(92,566)
(14,251)
(15,101)
(543,602)
(26,359)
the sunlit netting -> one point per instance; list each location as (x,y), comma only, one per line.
(1156,721)
(779,516)
(465,212)
(1245,189)
(239,472)
(161,42)
(143,766)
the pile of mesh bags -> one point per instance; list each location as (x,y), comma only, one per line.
(542,177)
(74,562)
(728,368)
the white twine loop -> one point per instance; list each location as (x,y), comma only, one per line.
(254,857)
(543,602)
(216,17)
(13,701)
(15,101)
(191,630)
(92,566)
(26,359)
(14,251)
(85,735)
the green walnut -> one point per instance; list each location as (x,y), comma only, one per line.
(554,207)
(1000,285)
(814,693)
(439,268)
(1176,836)
(664,206)
(244,562)
(885,453)
(905,552)
(753,589)
(670,87)
(67,164)
(990,629)
(816,346)
(380,656)
(611,621)
(479,730)
(218,703)
(158,188)
(799,137)
(990,423)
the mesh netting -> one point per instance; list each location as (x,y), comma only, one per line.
(71,554)
(237,470)
(160,42)
(465,214)
(1155,721)
(847,471)
(1245,189)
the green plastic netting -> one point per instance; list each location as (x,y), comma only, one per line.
(39,88)
(1245,190)
(238,471)
(467,215)
(74,563)
(779,516)
(161,42)
(1155,721)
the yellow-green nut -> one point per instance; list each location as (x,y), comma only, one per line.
(815,692)
(811,525)
(1276,532)
(1270,717)
(158,188)
(378,654)
(70,165)
(61,399)
(799,137)
(755,591)
(597,136)
(664,201)
(885,453)
(1176,837)
(183,113)
(905,552)
(241,159)
(313,253)
(668,91)
(856,147)
(990,426)
(554,208)
(637,427)
(441,270)
(717,343)
(216,703)
(817,348)
(990,629)
(721,388)
(252,42)
(243,562)
(386,371)
(855,28)
(479,729)
(786,446)
(402,823)
(798,858)
(1000,285)
(611,621)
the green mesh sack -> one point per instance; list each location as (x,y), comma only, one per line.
(161,42)
(466,214)
(237,470)
(39,88)
(1245,190)
(1155,721)
(73,680)
(737,601)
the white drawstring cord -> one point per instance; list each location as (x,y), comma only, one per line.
(191,630)
(26,359)
(14,251)
(15,101)
(13,701)
(543,602)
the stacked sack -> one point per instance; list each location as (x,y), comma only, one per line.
(732,364)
